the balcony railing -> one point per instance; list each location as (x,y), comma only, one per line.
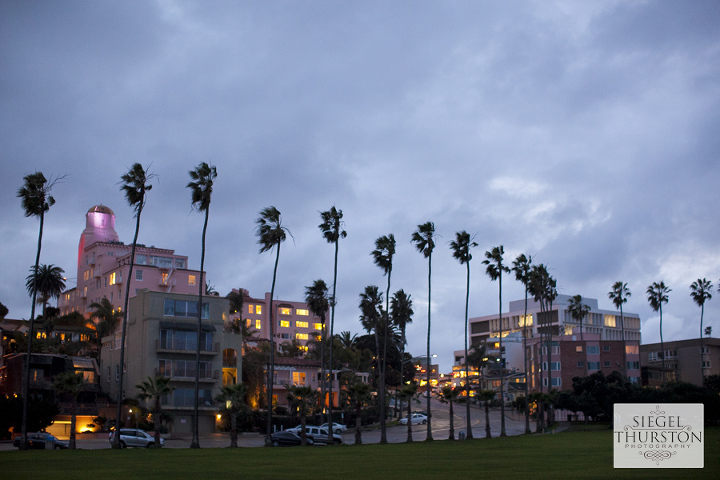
(186,346)
(204,376)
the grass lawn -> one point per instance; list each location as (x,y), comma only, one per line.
(583,453)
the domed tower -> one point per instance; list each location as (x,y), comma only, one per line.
(99,227)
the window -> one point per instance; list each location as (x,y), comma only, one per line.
(633,365)
(285,311)
(705,350)
(606,364)
(298,378)
(179,263)
(525,320)
(593,366)
(258,324)
(318,326)
(581,364)
(706,364)
(185,340)
(184,308)
(115,278)
(554,366)
(191,280)
(251,308)
(284,323)
(117,373)
(593,350)
(301,324)
(578,348)
(138,275)
(185,397)
(555,382)
(632,349)
(302,336)
(606,348)
(164,278)
(610,321)
(301,311)
(258,309)
(140,259)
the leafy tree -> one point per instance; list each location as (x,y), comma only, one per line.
(657,294)
(36,200)
(700,291)
(201,186)
(383,257)
(72,384)
(619,296)
(448,394)
(154,389)
(461,252)
(358,394)
(578,311)
(522,266)
(107,319)
(135,184)
(495,269)
(236,301)
(332,228)
(233,399)
(424,240)
(271,233)
(3,311)
(708,331)
(316,297)
(303,397)
(401,311)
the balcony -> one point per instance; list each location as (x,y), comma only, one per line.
(180,346)
(205,377)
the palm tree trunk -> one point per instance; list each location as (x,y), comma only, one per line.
(26,382)
(233,430)
(467,364)
(118,412)
(409,423)
(73,423)
(525,360)
(487,419)
(702,377)
(622,328)
(195,443)
(662,348)
(502,366)
(452,421)
(383,427)
(332,326)
(358,424)
(271,370)
(156,421)
(427,364)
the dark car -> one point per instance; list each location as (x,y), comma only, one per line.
(286,439)
(42,441)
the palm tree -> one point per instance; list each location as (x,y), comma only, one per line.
(233,396)
(154,389)
(401,311)
(371,313)
(495,269)
(657,294)
(303,396)
(448,394)
(700,291)
(461,252)
(521,267)
(409,391)
(36,200)
(358,395)
(383,257)
(201,187)
(316,297)
(107,319)
(72,384)
(332,230)
(45,282)
(578,311)
(424,240)
(271,233)
(619,295)
(135,185)
(487,396)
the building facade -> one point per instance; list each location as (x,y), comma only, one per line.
(162,340)
(684,361)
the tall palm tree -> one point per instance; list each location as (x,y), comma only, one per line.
(154,389)
(700,291)
(45,282)
(578,311)
(487,396)
(371,313)
(408,391)
(657,294)
(233,397)
(303,396)
(106,321)
(36,200)
(358,395)
(401,312)
(461,252)
(332,229)
(135,185)
(72,384)
(619,295)
(271,233)
(522,266)
(448,394)
(424,240)
(383,257)
(316,297)
(495,269)
(201,187)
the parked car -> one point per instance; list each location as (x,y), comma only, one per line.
(41,441)
(318,434)
(415,418)
(336,427)
(131,437)
(286,438)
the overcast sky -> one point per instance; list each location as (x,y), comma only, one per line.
(585,134)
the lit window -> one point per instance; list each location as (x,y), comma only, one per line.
(302,324)
(164,278)
(578,349)
(525,320)
(251,308)
(285,323)
(191,279)
(610,321)
(258,324)
(258,309)
(299,378)
(285,311)
(318,326)
(632,349)
(302,336)
(301,311)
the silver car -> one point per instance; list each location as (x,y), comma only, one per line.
(131,437)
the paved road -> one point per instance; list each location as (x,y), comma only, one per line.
(514,425)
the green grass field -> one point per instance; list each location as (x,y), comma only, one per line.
(583,453)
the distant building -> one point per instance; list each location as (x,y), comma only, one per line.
(104,264)
(682,361)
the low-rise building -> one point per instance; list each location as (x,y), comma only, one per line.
(684,361)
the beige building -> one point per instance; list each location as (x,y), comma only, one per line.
(162,340)
(682,361)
